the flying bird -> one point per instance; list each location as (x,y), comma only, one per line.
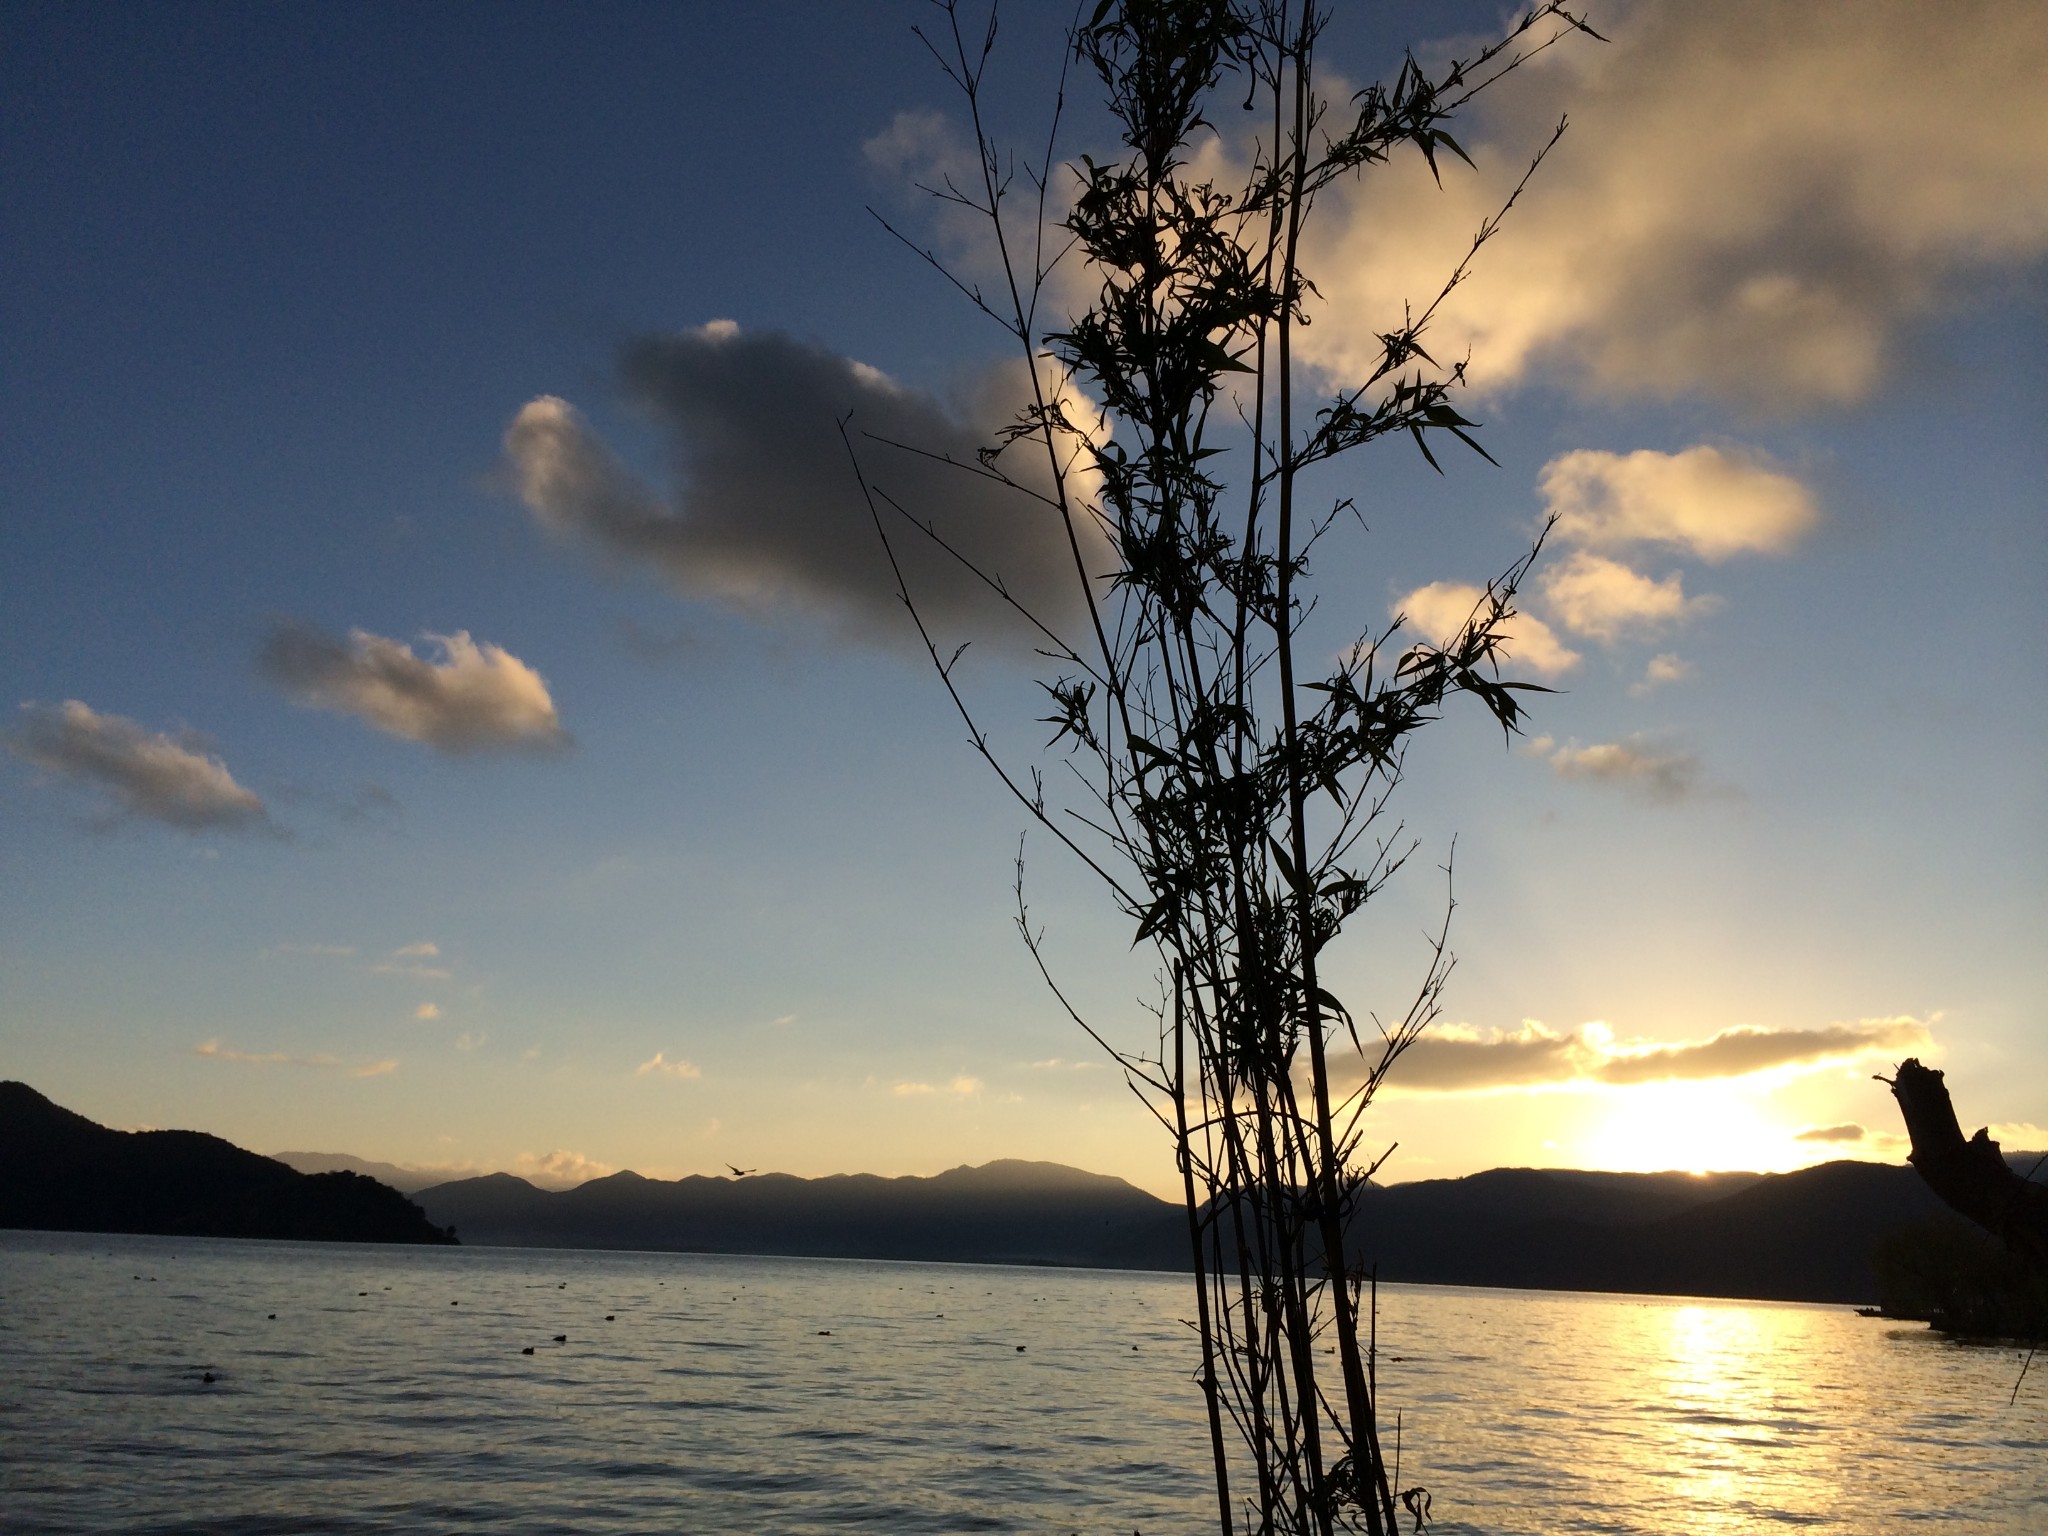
(739,1172)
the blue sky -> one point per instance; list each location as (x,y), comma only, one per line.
(679,857)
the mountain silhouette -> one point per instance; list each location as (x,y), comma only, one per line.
(61,1172)
(1804,1236)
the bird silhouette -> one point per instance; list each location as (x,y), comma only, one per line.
(739,1172)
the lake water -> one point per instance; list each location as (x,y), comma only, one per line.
(709,1394)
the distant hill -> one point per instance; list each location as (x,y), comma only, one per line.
(1794,1236)
(61,1172)
(1804,1236)
(407,1181)
(1006,1212)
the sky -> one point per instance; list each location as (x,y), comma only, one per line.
(456,715)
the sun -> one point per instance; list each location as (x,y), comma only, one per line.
(1691,1127)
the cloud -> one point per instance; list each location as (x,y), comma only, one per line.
(1755,201)
(559,1170)
(1461,1059)
(1457,1058)
(658,1065)
(426,1013)
(417,972)
(1832,1133)
(469,1039)
(767,514)
(149,774)
(964,1086)
(1440,610)
(426,949)
(1743,1050)
(1662,669)
(214,1050)
(476,697)
(1661,775)
(1601,598)
(1712,502)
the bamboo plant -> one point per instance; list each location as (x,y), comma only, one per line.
(1234,784)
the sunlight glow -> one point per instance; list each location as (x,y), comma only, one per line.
(1694,1127)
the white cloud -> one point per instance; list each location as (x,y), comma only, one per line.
(559,1169)
(1439,610)
(426,949)
(767,513)
(149,774)
(1661,669)
(214,1050)
(476,697)
(1601,598)
(426,1013)
(417,972)
(1755,200)
(1712,502)
(658,1065)
(963,1086)
(1660,774)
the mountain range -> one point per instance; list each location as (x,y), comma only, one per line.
(1795,1236)
(1807,1235)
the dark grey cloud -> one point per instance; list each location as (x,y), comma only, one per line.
(1832,1133)
(149,774)
(766,512)
(475,697)
(1459,1059)
(1735,1052)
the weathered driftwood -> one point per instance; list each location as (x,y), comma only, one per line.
(1970,1176)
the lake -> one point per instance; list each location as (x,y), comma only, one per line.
(693,1393)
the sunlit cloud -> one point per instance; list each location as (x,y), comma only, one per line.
(215,1050)
(1639,767)
(149,774)
(1711,502)
(962,1086)
(426,1013)
(767,515)
(1660,671)
(559,1169)
(1456,1058)
(475,697)
(658,1065)
(1602,599)
(1736,210)
(1439,610)
(424,950)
